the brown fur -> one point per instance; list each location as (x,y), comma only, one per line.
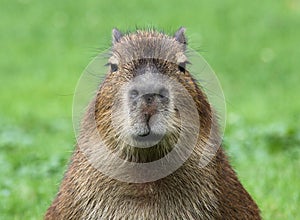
(191,192)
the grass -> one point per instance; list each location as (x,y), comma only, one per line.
(252,46)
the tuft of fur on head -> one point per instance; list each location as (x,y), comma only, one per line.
(147,44)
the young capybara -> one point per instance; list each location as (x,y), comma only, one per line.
(142,141)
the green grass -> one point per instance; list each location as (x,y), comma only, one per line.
(253,47)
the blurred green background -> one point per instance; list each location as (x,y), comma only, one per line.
(253,46)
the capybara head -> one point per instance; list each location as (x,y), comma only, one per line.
(148,100)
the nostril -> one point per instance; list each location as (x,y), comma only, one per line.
(164,94)
(149,98)
(133,93)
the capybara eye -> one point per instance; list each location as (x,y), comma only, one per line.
(113,67)
(181,67)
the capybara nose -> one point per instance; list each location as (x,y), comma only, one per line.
(150,94)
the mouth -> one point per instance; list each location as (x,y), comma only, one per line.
(148,137)
(148,133)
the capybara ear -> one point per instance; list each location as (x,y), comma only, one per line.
(180,36)
(116,36)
